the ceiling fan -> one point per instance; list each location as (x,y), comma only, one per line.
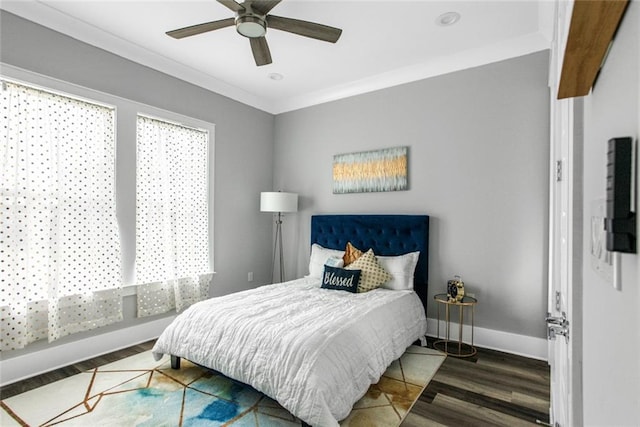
(252,20)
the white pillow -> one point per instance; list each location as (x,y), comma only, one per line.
(401,268)
(319,257)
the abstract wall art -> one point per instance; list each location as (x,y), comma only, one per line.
(370,171)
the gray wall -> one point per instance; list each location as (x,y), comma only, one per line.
(611,374)
(478,164)
(243,154)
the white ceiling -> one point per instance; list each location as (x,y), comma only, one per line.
(383,43)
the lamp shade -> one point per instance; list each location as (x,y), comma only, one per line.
(271,201)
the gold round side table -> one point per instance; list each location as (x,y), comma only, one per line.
(450,347)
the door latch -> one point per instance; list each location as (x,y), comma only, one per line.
(557,326)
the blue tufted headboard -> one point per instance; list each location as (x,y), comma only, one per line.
(387,235)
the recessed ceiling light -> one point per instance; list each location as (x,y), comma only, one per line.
(276,76)
(448,18)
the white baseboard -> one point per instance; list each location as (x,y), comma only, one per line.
(38,362)
(522,345)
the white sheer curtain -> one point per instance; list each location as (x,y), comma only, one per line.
(59,242)
(172,233)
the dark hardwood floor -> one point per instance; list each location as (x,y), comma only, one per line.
(489,389)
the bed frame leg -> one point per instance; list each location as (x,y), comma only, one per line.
(423,341)
(175,362)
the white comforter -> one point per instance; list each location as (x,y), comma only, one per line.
(315,351)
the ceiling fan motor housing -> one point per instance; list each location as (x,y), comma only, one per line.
(251,26)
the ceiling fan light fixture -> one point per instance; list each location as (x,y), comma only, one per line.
(251,26)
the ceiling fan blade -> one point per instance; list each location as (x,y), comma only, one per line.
(264,7)
(201,28)
(260,50)
(231,4)
(304,28)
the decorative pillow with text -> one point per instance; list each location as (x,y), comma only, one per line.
(340,279)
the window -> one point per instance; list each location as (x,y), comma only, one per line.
(172,237)
(59,243)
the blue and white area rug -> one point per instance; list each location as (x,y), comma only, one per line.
(138,391)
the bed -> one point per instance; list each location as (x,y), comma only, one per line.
(314,350)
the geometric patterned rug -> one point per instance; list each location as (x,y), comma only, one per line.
(138,391)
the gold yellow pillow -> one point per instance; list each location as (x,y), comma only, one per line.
(373,275)
(351,254)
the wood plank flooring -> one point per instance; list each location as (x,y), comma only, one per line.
(489,389)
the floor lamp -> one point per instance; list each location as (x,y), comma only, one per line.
(278,202)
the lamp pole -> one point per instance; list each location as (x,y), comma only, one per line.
(278,202)
(278,245)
